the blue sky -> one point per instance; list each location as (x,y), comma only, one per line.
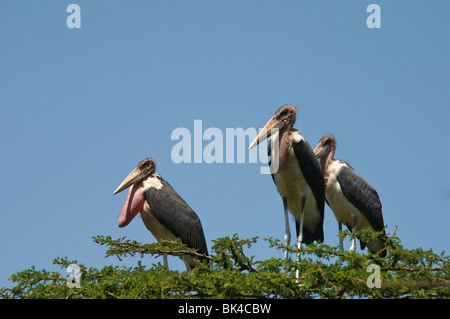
(79,108)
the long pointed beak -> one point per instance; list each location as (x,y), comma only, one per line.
(135,176)
(319,151)
(267,131)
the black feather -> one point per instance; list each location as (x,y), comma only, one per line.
(312,172)
(362,195)
(365,198)
(177,216)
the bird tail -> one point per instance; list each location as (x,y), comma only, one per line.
(378,246)
(310,236)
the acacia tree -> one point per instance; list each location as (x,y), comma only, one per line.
(228,272)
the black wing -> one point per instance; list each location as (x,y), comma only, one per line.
(175,214)
(312,172)
(362,195)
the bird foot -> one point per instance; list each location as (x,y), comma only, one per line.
(353,246)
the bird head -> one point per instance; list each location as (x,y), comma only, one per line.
(284,118)
(326,145)
(145,168)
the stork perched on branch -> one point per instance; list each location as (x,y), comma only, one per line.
(165,214)
(297,175)
(354,201)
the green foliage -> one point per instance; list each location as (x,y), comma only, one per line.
(228,272)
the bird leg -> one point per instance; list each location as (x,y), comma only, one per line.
(287,233)
(300,234)
(188,267)
(341,240)
(353,246)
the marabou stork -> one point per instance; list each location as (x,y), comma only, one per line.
(354,201)
(165,214)
(298,176)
